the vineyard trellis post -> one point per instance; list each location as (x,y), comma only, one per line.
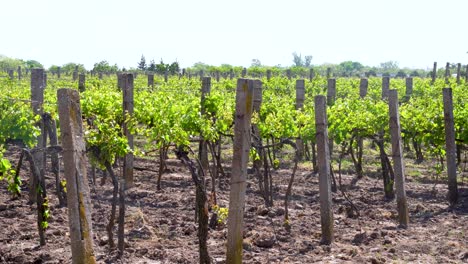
(326,212)
(409,88)
(244,107)
(244,72)
(466,74)
(37,104)
(150,80)
(268,73)
(450,146)
(363,86)
(300,96)
(434,72)
(328,73)
(447,72)
(458,73)
(59,71)
(75,73)
(311,74)
(128,103)
(74,159)
(331,91)
(203,147)
(398,162)
(81,83)
(288,74)
(385,87)
(11,74)
(20,75)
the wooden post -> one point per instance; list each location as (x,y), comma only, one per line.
(244,72)
(231,74)
(100,75)
(59,69)
(385,87)
(11,74)
(328,73)
(363,86)
(20,76)
(166,73)
(331,91)
(244,103)
(37,101)
(288,74)
(81,83)
(201,73)
(458,73)
(300,96)
(451,148)
(326,212)
(409,87)
(74,160)
(466,74)
(203,148)
(183,72)
(120,80)
(150,80)
(434,72)
(311,74)
(268,73)
(217,76)
(128,111)
(447,72)
(75,73)
(398,162)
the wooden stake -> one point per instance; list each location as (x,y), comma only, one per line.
(74,159)
(244,103)
(398,162)
(451,148)
(326,210)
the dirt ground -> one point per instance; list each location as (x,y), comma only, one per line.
(160,225)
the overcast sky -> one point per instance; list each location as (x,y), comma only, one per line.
(413,32)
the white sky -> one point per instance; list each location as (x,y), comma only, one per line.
(413,32)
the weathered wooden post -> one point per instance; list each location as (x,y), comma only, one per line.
(166,73)
(120,80)
(326,210)
(217,76)
(268,74)
(183,72)
(311,74)
(75,73)
(328,73)
(100,75)
(59,69)
(244,72)
(231,74)
(81,83)
(288,74)
(409,87)
(451,148)
(300,97)
(201,74)
(74,159)
(11,74)
(363,86)
(466,74)
(331,91)
(128,103)
(150,80)
(434,73)
(397,155)
(203,148)
(37,102)
(385,87)
(20,75)
(447,72)
(458,73)
(244,103)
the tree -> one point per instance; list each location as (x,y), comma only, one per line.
(350,68)
(161,67)
(33,64)
(174,68)
(256,63)
(297,59)
(70,67)
(104,66)
(308,60)
(152,66)
(142,63)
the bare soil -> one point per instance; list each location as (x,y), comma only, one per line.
(160,226)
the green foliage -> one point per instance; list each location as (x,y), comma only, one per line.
(104,66)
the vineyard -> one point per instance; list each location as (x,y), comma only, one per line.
(141,168)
